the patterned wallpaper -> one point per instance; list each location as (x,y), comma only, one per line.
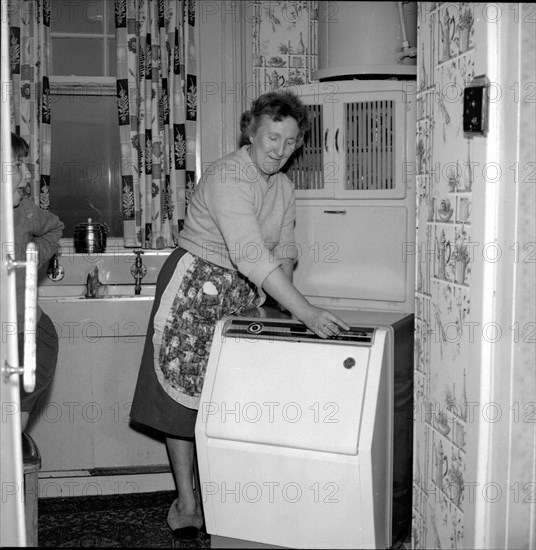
(284,43)
(443,287)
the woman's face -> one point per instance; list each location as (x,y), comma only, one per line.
(273,143)
(21,176)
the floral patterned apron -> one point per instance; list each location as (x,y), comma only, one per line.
(197,296)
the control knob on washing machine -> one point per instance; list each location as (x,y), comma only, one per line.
(255,328)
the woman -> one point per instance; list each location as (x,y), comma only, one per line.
(238,240)
(33,224)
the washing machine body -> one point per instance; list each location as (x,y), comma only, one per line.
(295,434)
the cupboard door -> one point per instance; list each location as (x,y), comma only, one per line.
(370,130)
(356,148)
(313,169)
(308,166)
(352,252)
(118,444)
(63,425)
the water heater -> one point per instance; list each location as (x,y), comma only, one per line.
(366,38)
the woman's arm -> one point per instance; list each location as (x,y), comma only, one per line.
(288,269)
(320,321)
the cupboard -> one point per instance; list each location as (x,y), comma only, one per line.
(356,147)
(355,192)
(84,422)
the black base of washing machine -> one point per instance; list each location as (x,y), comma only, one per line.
(403,427)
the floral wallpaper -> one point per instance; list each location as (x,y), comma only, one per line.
(284,43)
(443,286)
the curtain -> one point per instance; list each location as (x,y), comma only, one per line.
(157,109)
(29,57)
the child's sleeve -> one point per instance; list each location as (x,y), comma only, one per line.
(47,233)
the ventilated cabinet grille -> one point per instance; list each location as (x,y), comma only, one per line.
(369,159)
(355,154)
(307,168)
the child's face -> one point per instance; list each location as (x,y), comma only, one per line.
(21,176)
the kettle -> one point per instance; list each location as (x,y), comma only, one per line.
(90,237)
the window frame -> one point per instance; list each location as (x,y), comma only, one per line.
(90,86)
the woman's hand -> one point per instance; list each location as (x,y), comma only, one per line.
(323,323)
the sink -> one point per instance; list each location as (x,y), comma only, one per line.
(117,313)
(106,292)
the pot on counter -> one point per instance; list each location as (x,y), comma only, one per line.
(90,237)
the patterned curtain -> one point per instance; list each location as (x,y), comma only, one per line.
(157,107)
(29,56)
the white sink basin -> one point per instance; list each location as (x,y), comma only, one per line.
(105,292)
(117,313)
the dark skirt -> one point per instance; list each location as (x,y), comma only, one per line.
(151,405)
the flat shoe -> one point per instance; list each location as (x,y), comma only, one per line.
(175,520)
(185,534)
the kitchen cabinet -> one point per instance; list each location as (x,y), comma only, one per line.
(357,146)
(354,254)
(356,196)
(83,424)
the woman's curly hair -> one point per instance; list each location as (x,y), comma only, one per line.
(277,106)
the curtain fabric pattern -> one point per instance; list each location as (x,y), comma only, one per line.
(157,109)
(29,55)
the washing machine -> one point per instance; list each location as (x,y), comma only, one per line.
(305,442)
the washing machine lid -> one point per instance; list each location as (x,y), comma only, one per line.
(293,391)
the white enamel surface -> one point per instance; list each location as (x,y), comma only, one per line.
(106,292)
(323,477)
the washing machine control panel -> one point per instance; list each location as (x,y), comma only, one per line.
(295,331)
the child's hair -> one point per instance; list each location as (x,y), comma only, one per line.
(19,147)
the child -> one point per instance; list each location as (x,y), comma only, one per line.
(33,224)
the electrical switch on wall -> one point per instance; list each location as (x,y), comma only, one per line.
(475,107)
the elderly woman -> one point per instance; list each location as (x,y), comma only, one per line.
(237,241)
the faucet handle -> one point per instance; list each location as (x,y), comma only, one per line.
(138,269)
(55,271)
(138,261)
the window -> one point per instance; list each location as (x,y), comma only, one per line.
(85,171)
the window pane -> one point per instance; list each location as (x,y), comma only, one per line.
(85,176)
(77,56)
(112,58)
(77,16)
(110,16)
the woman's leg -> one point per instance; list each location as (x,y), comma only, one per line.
(181,453)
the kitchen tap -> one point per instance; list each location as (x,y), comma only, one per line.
(55,271)
(138,271)
(93,284)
